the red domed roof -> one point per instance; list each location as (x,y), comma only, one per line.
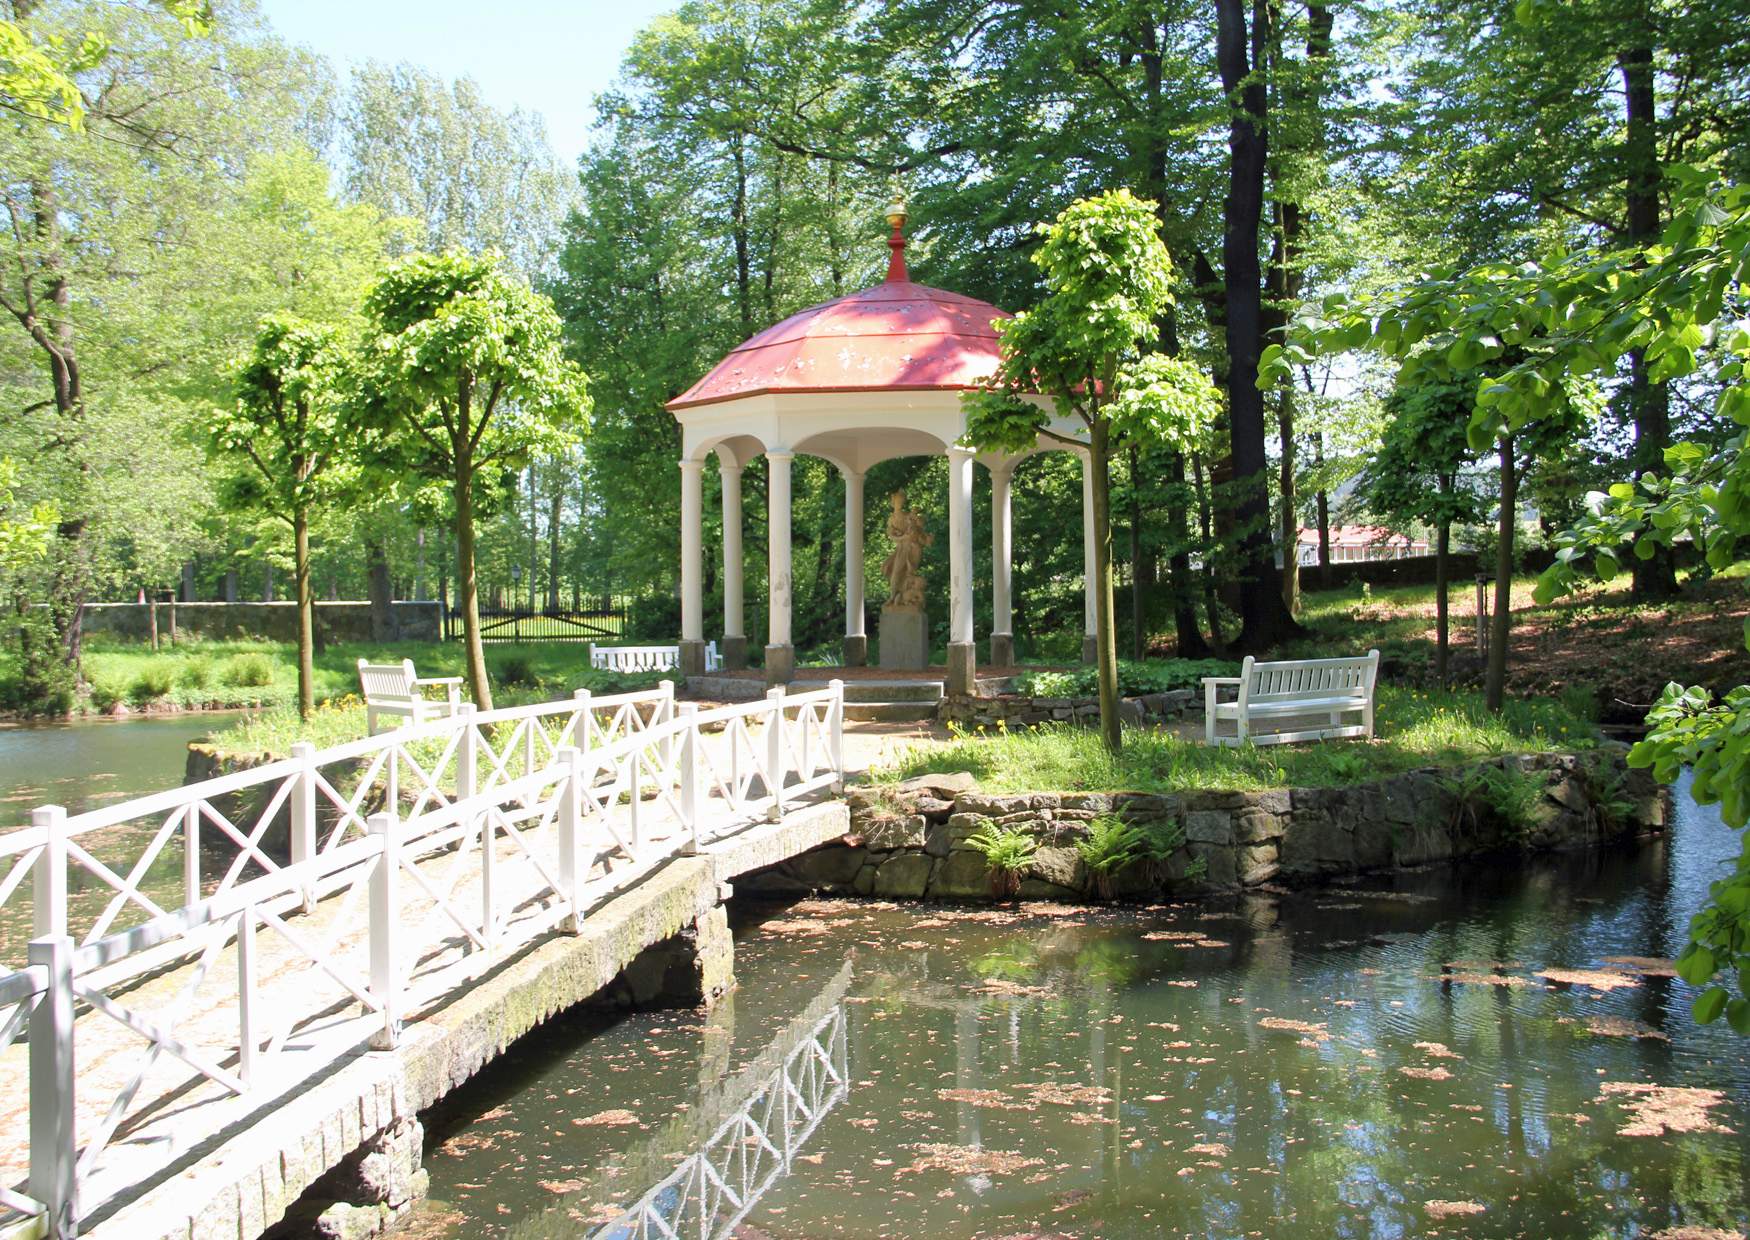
(896,336)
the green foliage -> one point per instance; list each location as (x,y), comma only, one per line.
(1134,678)
(1111,845)
(40,682)
(1008,851)
(150,685)
(247,671)
(517,672)
(197,673)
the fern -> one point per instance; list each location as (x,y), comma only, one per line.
(1008,851)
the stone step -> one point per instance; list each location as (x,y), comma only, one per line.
(880,691)
(890,712)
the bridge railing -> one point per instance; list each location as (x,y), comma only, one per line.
(489,832)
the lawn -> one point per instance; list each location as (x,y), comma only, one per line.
(1417,728)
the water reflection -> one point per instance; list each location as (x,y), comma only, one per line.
(1379,1060)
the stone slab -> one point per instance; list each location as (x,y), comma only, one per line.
(905,638)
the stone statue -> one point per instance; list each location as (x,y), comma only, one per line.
(905,589)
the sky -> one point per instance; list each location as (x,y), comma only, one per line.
(546,56)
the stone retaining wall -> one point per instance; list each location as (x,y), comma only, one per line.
(1020,710)
(912,841)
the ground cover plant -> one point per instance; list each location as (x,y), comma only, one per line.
(1417,728)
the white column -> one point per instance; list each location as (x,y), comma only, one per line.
(1001,527)
(692,553)
(778,547)
(853,554)
(960,544)
(733,614)
(1088,626)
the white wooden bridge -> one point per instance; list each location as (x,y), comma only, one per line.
(442,889)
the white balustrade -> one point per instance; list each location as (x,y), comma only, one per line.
(544,810)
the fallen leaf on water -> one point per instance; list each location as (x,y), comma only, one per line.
(1647,966)
(1451,1209)
(1437,1050)
(1619,1027)
(1317,1032)
(965,1160)
(1597,979)
(1696,1233)
(1427,1074)
(606,1119)
(1212,1149)
(1070,1198)
(1659,1109)
(561,1186)
(1480,979)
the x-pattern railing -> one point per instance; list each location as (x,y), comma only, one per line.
(453,839)
(708,1195)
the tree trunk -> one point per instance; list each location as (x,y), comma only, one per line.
(152,616)
(382,592)
(1189,641)
(1649,401)
(1211,593)
(1138,622)
(267,592)
(1290,513)
(419,564)
(1264,620)
(1442,570)
(306,614)
(1323,502)
(1105,627)
(555,513)
(467,585)
(1501,623)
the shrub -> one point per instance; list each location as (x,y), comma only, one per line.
(195,674)
(43,684)
(1008,851)
(1111,845)
(151,684)
(517,671)
(248,671)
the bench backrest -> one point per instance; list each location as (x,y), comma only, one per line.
(1291,679)
(635,658)
(387,682)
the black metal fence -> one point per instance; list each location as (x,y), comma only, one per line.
(499,624)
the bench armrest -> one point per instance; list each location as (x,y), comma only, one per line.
(438,680)
(1222,680)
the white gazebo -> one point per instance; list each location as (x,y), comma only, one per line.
(864,378)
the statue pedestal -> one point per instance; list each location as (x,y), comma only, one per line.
(905,638)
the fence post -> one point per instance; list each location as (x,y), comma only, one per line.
(467,753)
(584,731)
(49,876)
(570,831)
(837,732)
(303,811)
(775,751)
(191,853)
(246,1044)
(385,911)
(635,794)
(689,776)
(488,913)
(52,1150)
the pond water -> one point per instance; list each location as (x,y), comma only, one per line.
(81,766)
(1288,1065)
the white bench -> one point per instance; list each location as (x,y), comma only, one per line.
(1291,688)
(392,689)
(647,658)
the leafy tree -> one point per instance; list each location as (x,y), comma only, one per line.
(38,79)
(1568,320)
(465,363)
(1108,280)
(1418,474)
(289,422)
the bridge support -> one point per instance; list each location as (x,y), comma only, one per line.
(693,967)
(370,1188)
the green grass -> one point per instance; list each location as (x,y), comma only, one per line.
(1416,729)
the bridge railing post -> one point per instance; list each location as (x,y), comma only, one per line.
(583,733)
(385,914)
(49,874)
(689,775)
(53,1164)
(247,1024)
(570,836)
(775,751)
(836,730)
(302,827)
(665,712)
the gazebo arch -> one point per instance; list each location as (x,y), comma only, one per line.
(865,378)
